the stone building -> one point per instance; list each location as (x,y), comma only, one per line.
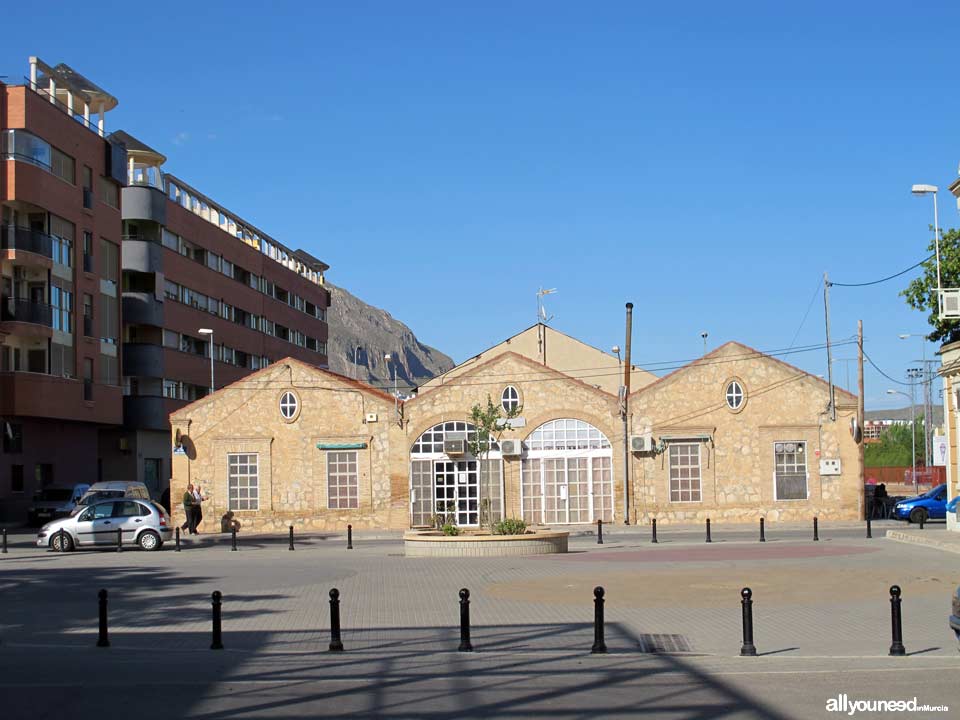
(733,436)
(950,372)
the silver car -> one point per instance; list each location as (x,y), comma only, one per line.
(140,522)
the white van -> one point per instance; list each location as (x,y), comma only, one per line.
(111,490)
(55,502)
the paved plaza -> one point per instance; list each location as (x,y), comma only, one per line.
(821,609)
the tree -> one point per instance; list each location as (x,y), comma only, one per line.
(921,293)
(895,448)
(490,423)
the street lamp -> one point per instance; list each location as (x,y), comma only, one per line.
(913,435)
(924,190)
(209,332)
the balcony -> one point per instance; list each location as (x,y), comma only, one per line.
(149,412)
(143,360)
(144,202)
(22,239)
(26,311)
(141,255)
(142,309)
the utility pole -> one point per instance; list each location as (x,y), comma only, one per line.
(860,414)
(826,315)
(626,416)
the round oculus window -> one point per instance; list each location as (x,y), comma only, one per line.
(734,395)
(510,398)
(289,406)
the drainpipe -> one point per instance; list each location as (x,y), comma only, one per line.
(626,415)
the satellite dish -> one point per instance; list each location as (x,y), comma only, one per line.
(856,432)
(178,440)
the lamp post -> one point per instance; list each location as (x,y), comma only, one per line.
(927,400)
(932,190)
(209,333)
(913,435)
(356,370)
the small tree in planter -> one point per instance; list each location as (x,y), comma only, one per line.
(490,422)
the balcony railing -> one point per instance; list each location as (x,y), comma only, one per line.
(26,311)
(21,238)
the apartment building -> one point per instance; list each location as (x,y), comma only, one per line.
(60,235)
(207,298)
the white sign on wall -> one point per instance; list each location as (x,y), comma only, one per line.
(939,449)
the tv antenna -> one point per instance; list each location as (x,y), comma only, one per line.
(541,310)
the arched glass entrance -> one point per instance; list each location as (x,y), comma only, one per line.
(456,487)
(566,475)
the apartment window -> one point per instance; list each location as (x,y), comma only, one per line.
(87,188)
(281,332)
(171,389)
(61,303)
(87,251)
(63,166)
(343,486)
(62,251)
(16,478)
(62,361)
(685,472)
(12,437)
(43,474)
(312,344)
(213,261)
(109,192)
(228,312)
(790,470)
(109,368)
(171,291)
(243,481)
(109,261)
(26,147)
(109,319)
(193,345)
(226,267)
(170,240)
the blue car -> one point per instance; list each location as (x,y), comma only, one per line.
(952,505)
(929,506)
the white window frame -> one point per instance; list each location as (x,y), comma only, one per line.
(699,466)
(284,404)
(253,501)
(730,393)
(806,471)
(336,459)
(510,398)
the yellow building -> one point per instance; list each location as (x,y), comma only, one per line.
(734,436)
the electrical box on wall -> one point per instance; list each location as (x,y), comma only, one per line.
(830,466)
(371,417)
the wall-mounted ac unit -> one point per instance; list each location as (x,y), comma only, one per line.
(949,304)
(511,448)
(455,447)
(641,443)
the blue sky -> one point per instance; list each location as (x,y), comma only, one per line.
(706,161)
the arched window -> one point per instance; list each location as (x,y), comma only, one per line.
(567,434)
(431,441)
(734,395)
(510,398)
(289,406)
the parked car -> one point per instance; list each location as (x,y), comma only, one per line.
(54,502)
(929,506)
(952,505)
(141,522)
(113,489)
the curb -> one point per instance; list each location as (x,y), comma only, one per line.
(912,539)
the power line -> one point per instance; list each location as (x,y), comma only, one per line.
(893,380)
(891,277)
(807,313)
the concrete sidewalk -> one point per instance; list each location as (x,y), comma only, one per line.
(940,539)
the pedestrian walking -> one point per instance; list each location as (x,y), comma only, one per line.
(190,524)
(198,498)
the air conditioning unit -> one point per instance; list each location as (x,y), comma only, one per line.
(511,448)
(949,304)
(455,447)
(641,443)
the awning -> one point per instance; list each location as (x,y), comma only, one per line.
(698,437)
(342,446)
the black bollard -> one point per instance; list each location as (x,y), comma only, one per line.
(599,532)
(102,639)
(465,645)
(922,516)
(63,540)
(349,537)
(748,648)
(763,538)
(869,530)
(599,646)
(119,540)
(653,538)
(816,530)
(4,541)
(708,530)
(291,537)
(233,538)
(896,647)
(336,644)
(217,642)
(178,540)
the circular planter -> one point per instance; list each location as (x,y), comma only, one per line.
(431,543)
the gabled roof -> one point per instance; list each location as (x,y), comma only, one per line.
(539,369)
(750,354)
(272,368)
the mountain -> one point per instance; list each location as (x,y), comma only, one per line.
(367,333)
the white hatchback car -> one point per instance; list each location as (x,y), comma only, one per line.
(140,522)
